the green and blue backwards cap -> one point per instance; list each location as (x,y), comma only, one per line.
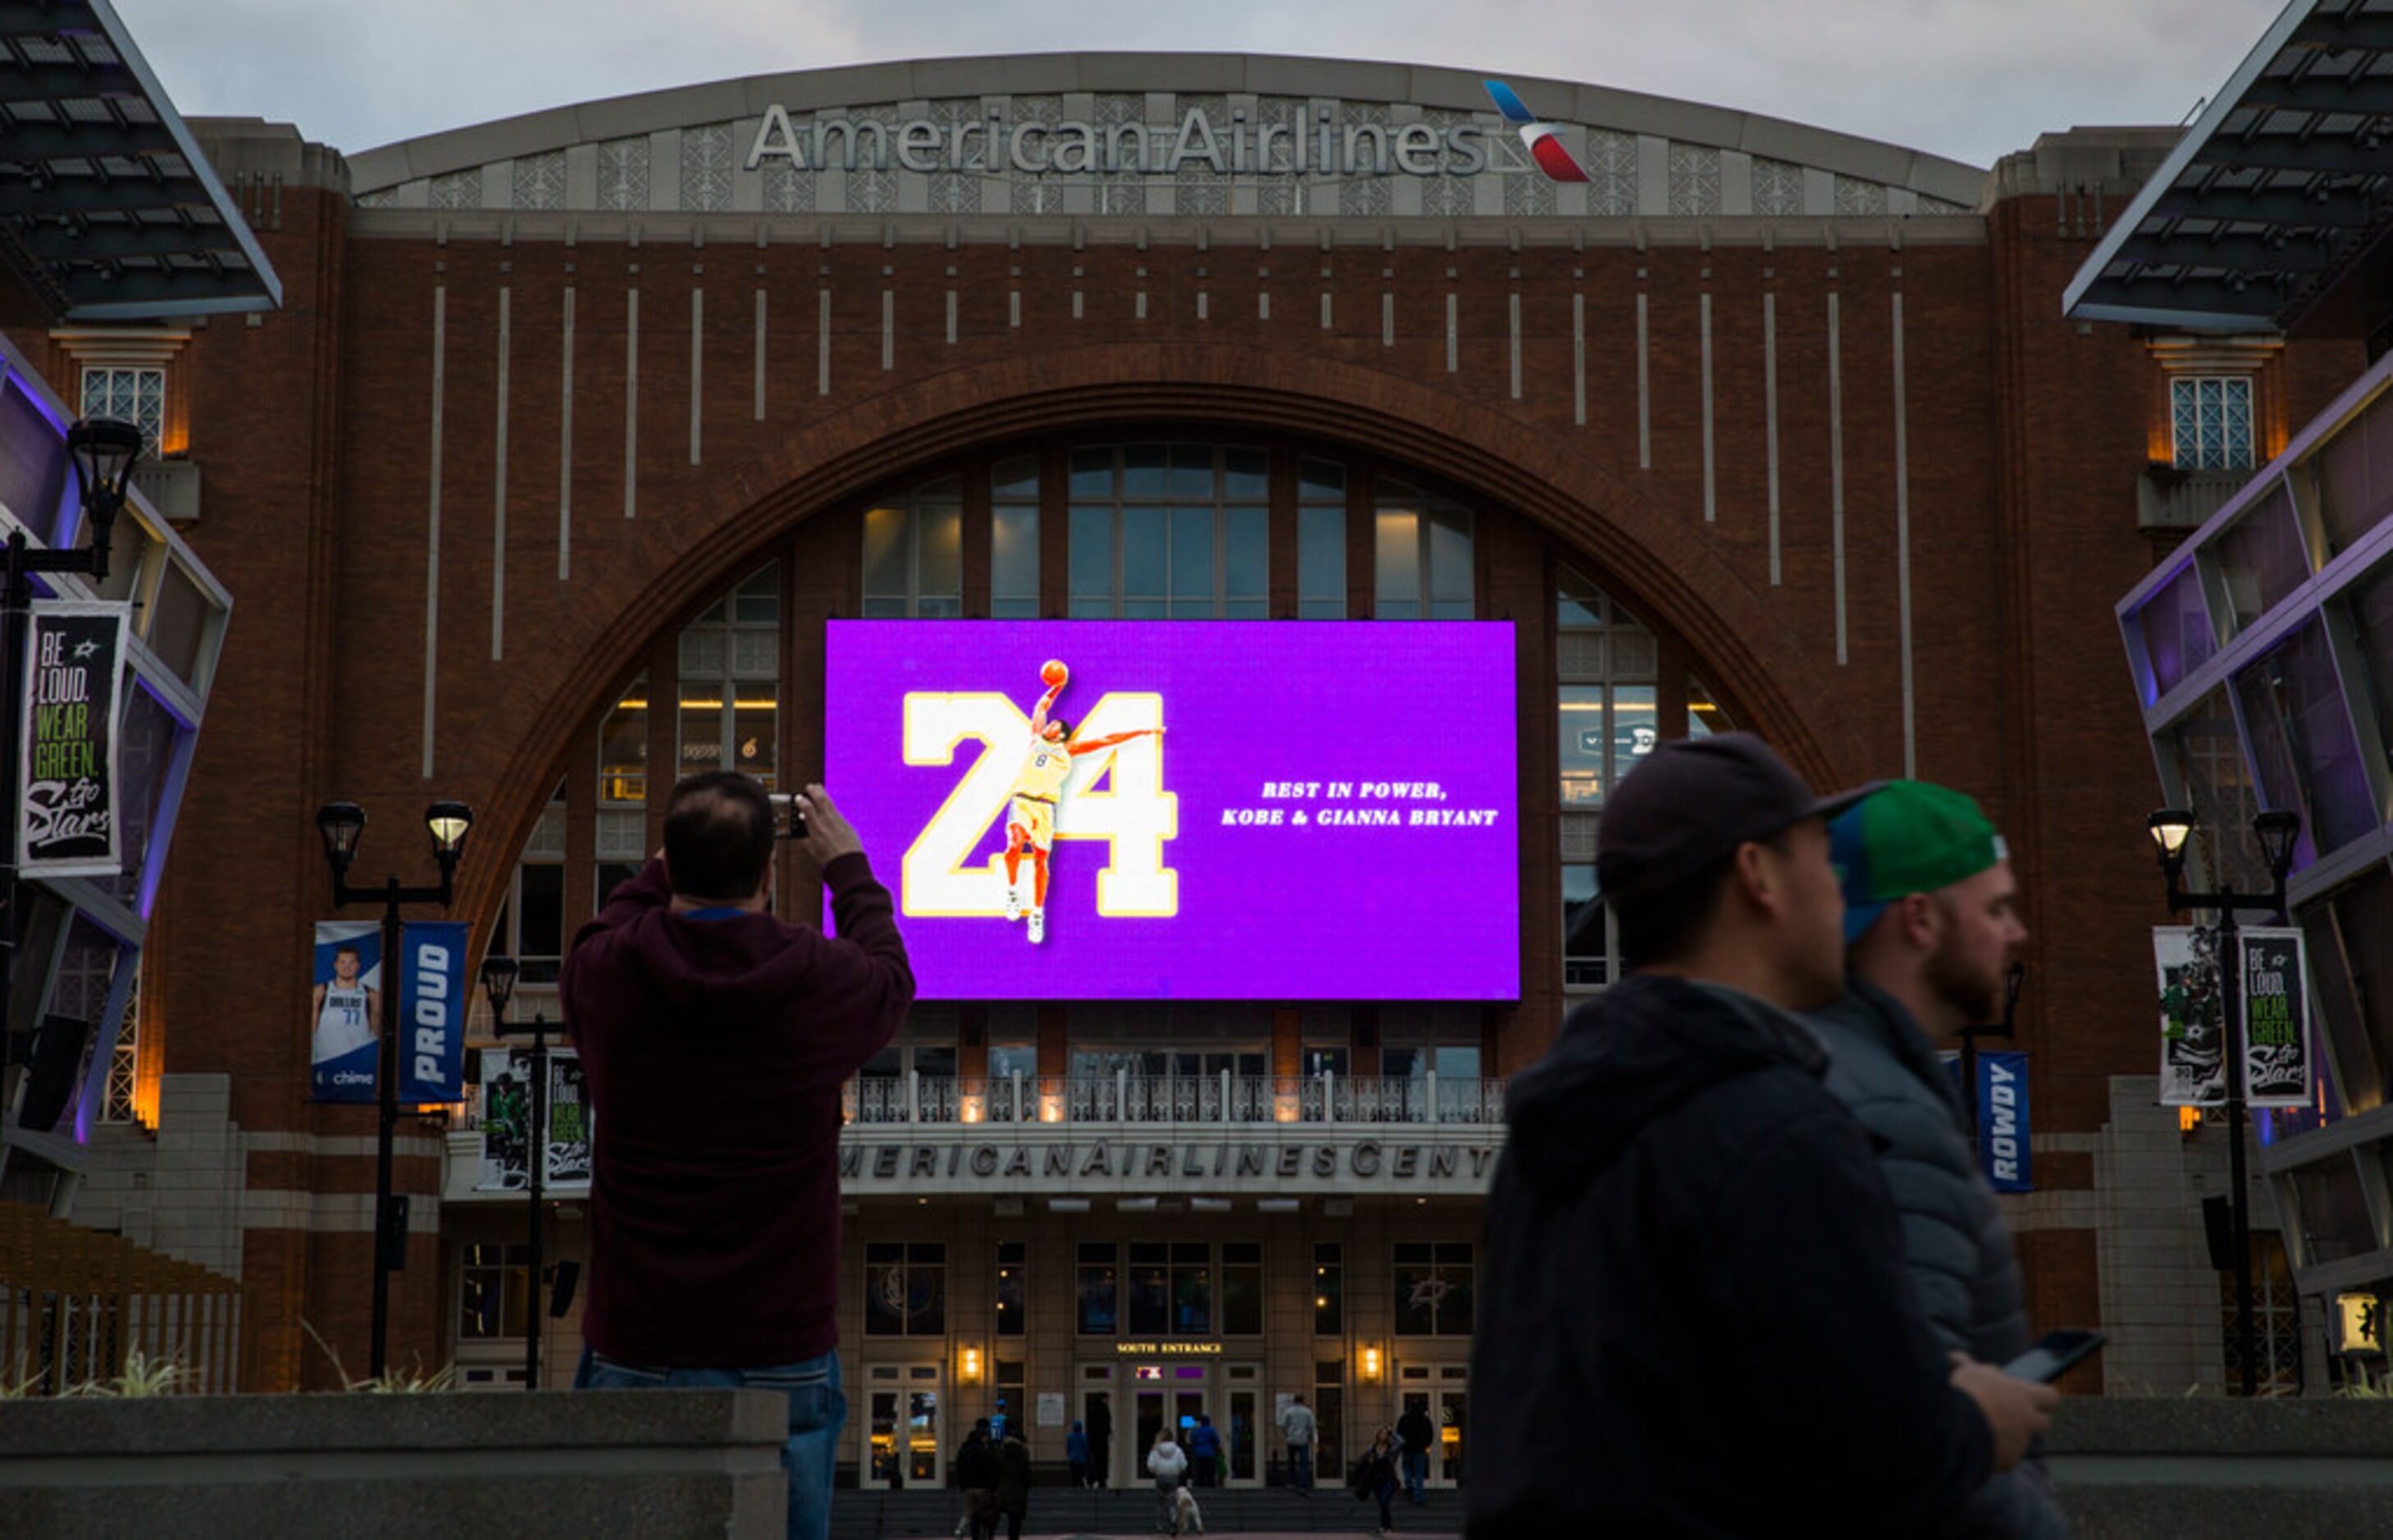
(1907,837)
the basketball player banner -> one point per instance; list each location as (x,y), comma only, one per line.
(1223,810)
(507,1117)
(74,672)
(344,1012)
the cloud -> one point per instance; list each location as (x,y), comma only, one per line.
(1968,80)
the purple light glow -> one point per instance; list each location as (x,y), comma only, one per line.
(1329,812)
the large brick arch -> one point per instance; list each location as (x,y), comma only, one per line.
(1657,555)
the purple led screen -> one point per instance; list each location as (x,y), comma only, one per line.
(1327,811)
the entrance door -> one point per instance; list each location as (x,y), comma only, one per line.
(903,1431)
(1242,1430)
(1094,1406)
(1442,1391)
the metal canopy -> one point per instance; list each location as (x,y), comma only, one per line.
(2271,194)
(107,210)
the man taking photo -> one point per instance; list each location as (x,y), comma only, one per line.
(1694,1319)
(1932,923)
(714,1039)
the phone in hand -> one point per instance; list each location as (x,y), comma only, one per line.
(2055,1355)
(789,818)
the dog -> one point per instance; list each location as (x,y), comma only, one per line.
(1186,1517)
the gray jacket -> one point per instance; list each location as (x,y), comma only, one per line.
(1960,1256)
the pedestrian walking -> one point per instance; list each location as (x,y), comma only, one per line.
(1414,1432)
(1375,1476)
(1204,1450)
(1693,1316)
(1932,924)
(1296,1426)
(714,1252)
(1013,1482)
(974,1472)
(1167,1463)
(1076,1455)
(1101,1439)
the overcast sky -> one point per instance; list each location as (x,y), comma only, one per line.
(1970,79)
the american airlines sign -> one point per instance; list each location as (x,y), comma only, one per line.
(1244,144)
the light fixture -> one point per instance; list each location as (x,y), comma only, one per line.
(449,823)
(103,450)
(2277,829)
(1371,1364)
(2170,827)
(499,983)
(970,1367)
(340,823)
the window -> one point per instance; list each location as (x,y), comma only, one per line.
(914,553)
(1328,1289)
(1434,1294)
(494,1293)
(730,682)
(1320,539)
(2210,421)
(1328,1415)
(905,1288)
(137,396)
(1589,941)
(1424,562)
(1178,532)
(1012,1268)
(2303,742)
(119,1105)
(1012,1408)
(1100,1289)
(1171,1288)
(1014,537)
(530,927)
(2276,1320)
(1242,1288)
(1607,663)
(1706,715)
(623,749)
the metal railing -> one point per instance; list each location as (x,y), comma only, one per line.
(75,1304)
(1169,1098)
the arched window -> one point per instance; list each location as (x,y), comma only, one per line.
(1605,665)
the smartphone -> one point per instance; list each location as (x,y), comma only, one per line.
(788,815)
(2056,1354)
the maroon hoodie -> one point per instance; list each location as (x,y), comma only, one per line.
(714,1049)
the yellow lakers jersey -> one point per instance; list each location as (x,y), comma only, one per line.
(1043,771)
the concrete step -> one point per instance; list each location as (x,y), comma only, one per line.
(931,1514)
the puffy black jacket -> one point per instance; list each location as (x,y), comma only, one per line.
(1954,1240)
(1695,1319)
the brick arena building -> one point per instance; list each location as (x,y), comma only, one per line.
(576,429)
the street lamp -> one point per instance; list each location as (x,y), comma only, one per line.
(499,983)
(2276,830)
(104,451)
(341,824)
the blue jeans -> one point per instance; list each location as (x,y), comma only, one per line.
(1416,1472)
(817,1411)
(1300,1467)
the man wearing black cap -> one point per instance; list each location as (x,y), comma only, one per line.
(1693,1318)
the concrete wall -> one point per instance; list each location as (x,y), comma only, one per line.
(696,1462)
(2190,1469)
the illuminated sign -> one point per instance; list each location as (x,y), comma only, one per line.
(1168,1350)
(1175,810)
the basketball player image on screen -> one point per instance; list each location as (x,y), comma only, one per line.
(1030,818)
(344,1009)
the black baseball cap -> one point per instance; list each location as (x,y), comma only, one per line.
(1692,802)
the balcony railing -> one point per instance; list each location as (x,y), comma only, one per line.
(1169,1098)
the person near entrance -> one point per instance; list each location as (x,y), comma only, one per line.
(1014,1482)
(1694,1316)
(1101,1439)
(974,1472)
(1296,1427)
(1932,924)
(1167,1463)
(1076,1455)
(714,1041)
(1205,1449)
(1413,1429)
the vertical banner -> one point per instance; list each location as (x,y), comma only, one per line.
(506,1118)
(2193,1039)
(2003,1132)
(432,1012)
(74,667)
(2276,1018)
(345,1010)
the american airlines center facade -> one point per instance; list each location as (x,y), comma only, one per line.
(1413,455)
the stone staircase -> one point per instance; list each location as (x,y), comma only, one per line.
(927,1514)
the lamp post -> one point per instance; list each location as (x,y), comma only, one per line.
(2170,829)
(341,825)
(499,983)
(102,449)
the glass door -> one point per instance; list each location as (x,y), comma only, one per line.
(1242,1436)
(902,1427)
(1445,1468)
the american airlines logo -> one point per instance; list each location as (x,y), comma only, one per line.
(1553,158)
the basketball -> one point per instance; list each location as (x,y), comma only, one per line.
(1053,672)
